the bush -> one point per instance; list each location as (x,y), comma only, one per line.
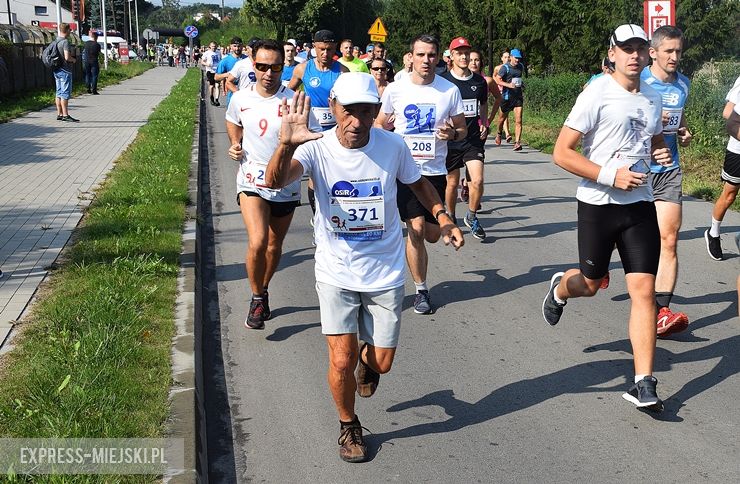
(555,93)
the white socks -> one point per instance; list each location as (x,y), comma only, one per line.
(639,377)
(714,229)
(421,286)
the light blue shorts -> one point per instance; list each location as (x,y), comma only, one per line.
(64,83)
(375,315)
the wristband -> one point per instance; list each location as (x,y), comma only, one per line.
(439,212)
(607,176)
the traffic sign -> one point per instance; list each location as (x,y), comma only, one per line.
(377,31)
(191,31)
(657,13)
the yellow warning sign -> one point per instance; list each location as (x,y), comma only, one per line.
(377,28)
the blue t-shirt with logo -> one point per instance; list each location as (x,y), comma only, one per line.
(674,95)
(225,65)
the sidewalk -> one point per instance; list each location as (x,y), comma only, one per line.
(48,173)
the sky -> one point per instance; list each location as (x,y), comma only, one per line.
(227,3)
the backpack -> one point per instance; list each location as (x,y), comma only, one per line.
(51,57)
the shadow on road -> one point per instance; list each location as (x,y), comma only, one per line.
(582,378)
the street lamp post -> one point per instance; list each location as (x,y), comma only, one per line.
(130,33)
(136,12)
(105,36)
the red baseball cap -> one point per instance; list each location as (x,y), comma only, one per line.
(458,42)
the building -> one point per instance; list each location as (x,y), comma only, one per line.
(41,13)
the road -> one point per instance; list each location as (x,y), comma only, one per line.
(482,390)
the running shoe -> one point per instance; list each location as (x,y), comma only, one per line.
(517,147)
(422,303)
(367,378)
(508,138)
(59,117)
(464,193)
(498,139)
(551,309)
(475,228)
(70,119)
(352,446)
(256,317)
(713,246)
(267,314)
(644,395)
(670,322)
(216,102)
(604,281)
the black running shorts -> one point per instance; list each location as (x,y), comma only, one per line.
(633,228)
(410,207)
(211,76)
(508,105)
(456,159)
(731,168)
(277,209)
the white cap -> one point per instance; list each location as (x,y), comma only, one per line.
(626,32)
(355,88)
(292,41)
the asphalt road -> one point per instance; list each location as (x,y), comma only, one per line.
(483,390)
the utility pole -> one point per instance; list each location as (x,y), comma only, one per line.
(222,10)
(10,15)
(59,15)
(105,36)
(136,10)
(130,33)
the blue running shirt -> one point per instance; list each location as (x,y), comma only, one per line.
(674,95)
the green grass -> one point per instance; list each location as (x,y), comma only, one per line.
(94,358)
(18,105)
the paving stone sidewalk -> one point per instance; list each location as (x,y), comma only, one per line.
(49,170)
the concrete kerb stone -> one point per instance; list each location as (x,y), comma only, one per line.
(185,405)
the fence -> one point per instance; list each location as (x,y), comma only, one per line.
(21,68)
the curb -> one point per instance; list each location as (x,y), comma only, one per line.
(186,419)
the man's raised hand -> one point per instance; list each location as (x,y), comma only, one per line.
(294,129)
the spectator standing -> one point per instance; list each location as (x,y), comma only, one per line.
(90,56)
(63,75)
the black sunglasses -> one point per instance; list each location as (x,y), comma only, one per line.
(379,68)
(263,67)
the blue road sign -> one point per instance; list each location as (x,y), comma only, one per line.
(191,31)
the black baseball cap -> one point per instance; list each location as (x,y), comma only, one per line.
(252,42)
(324,36)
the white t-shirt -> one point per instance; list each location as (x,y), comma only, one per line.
(419,111)
(734,97)
(359,243)
(260,120)
(617,128)
(243,71)
(209,57)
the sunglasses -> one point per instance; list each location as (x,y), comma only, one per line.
(263,67)
(379,68)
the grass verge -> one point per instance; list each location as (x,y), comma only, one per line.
(93,360)
(701,162)
(16,106)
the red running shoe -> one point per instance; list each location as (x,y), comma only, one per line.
(605,281)
(464,193)
(670,322)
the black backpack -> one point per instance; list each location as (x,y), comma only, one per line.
(51,57)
